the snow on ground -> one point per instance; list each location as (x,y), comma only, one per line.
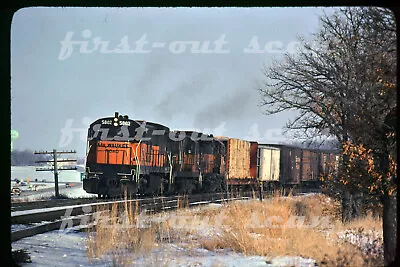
(29,187)
(181,255)
(69,249)
(45,183)
(370,242)
(23,173)
(57,249)
(18,227)
(75,191)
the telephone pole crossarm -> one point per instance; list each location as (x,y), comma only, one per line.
(66,152)
(60,160)
(57,152)
(54,168)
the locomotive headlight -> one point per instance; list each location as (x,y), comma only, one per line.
(115,122)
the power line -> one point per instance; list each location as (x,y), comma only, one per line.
(55,169)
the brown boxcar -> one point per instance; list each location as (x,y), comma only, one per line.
(329,161)
(290,164)
(237,161)
(309,165)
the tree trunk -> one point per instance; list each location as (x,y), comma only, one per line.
(389,227)
(389,217)
(357,205)
(352,205)
(346,206)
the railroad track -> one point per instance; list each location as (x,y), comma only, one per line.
(41,204)
(52,215)
(49,219)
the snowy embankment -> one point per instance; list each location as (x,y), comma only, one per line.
(370,242)
(70,248)
(74,190)
(193,237)
(28,177)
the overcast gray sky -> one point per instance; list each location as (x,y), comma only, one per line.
(54,85)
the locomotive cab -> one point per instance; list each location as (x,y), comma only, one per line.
(123,155)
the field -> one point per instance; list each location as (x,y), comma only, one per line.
(23,173)
(280,231)
(44,181)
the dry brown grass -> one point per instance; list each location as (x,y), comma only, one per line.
(123,232)
(368,222)
(245,232)
(117,235)
(246,227)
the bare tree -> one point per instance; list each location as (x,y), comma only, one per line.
(344,85)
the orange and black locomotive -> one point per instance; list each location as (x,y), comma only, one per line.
(125,155)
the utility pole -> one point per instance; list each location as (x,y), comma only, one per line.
(55,167)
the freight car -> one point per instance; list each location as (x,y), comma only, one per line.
(139,157)
(297,166)
(239,170)
(268,167)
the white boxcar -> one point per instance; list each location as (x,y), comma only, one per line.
(268,163)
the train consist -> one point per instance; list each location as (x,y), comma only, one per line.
(139,157)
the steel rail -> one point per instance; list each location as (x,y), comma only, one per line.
(56,216)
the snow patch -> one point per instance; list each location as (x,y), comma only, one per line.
(370,242)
